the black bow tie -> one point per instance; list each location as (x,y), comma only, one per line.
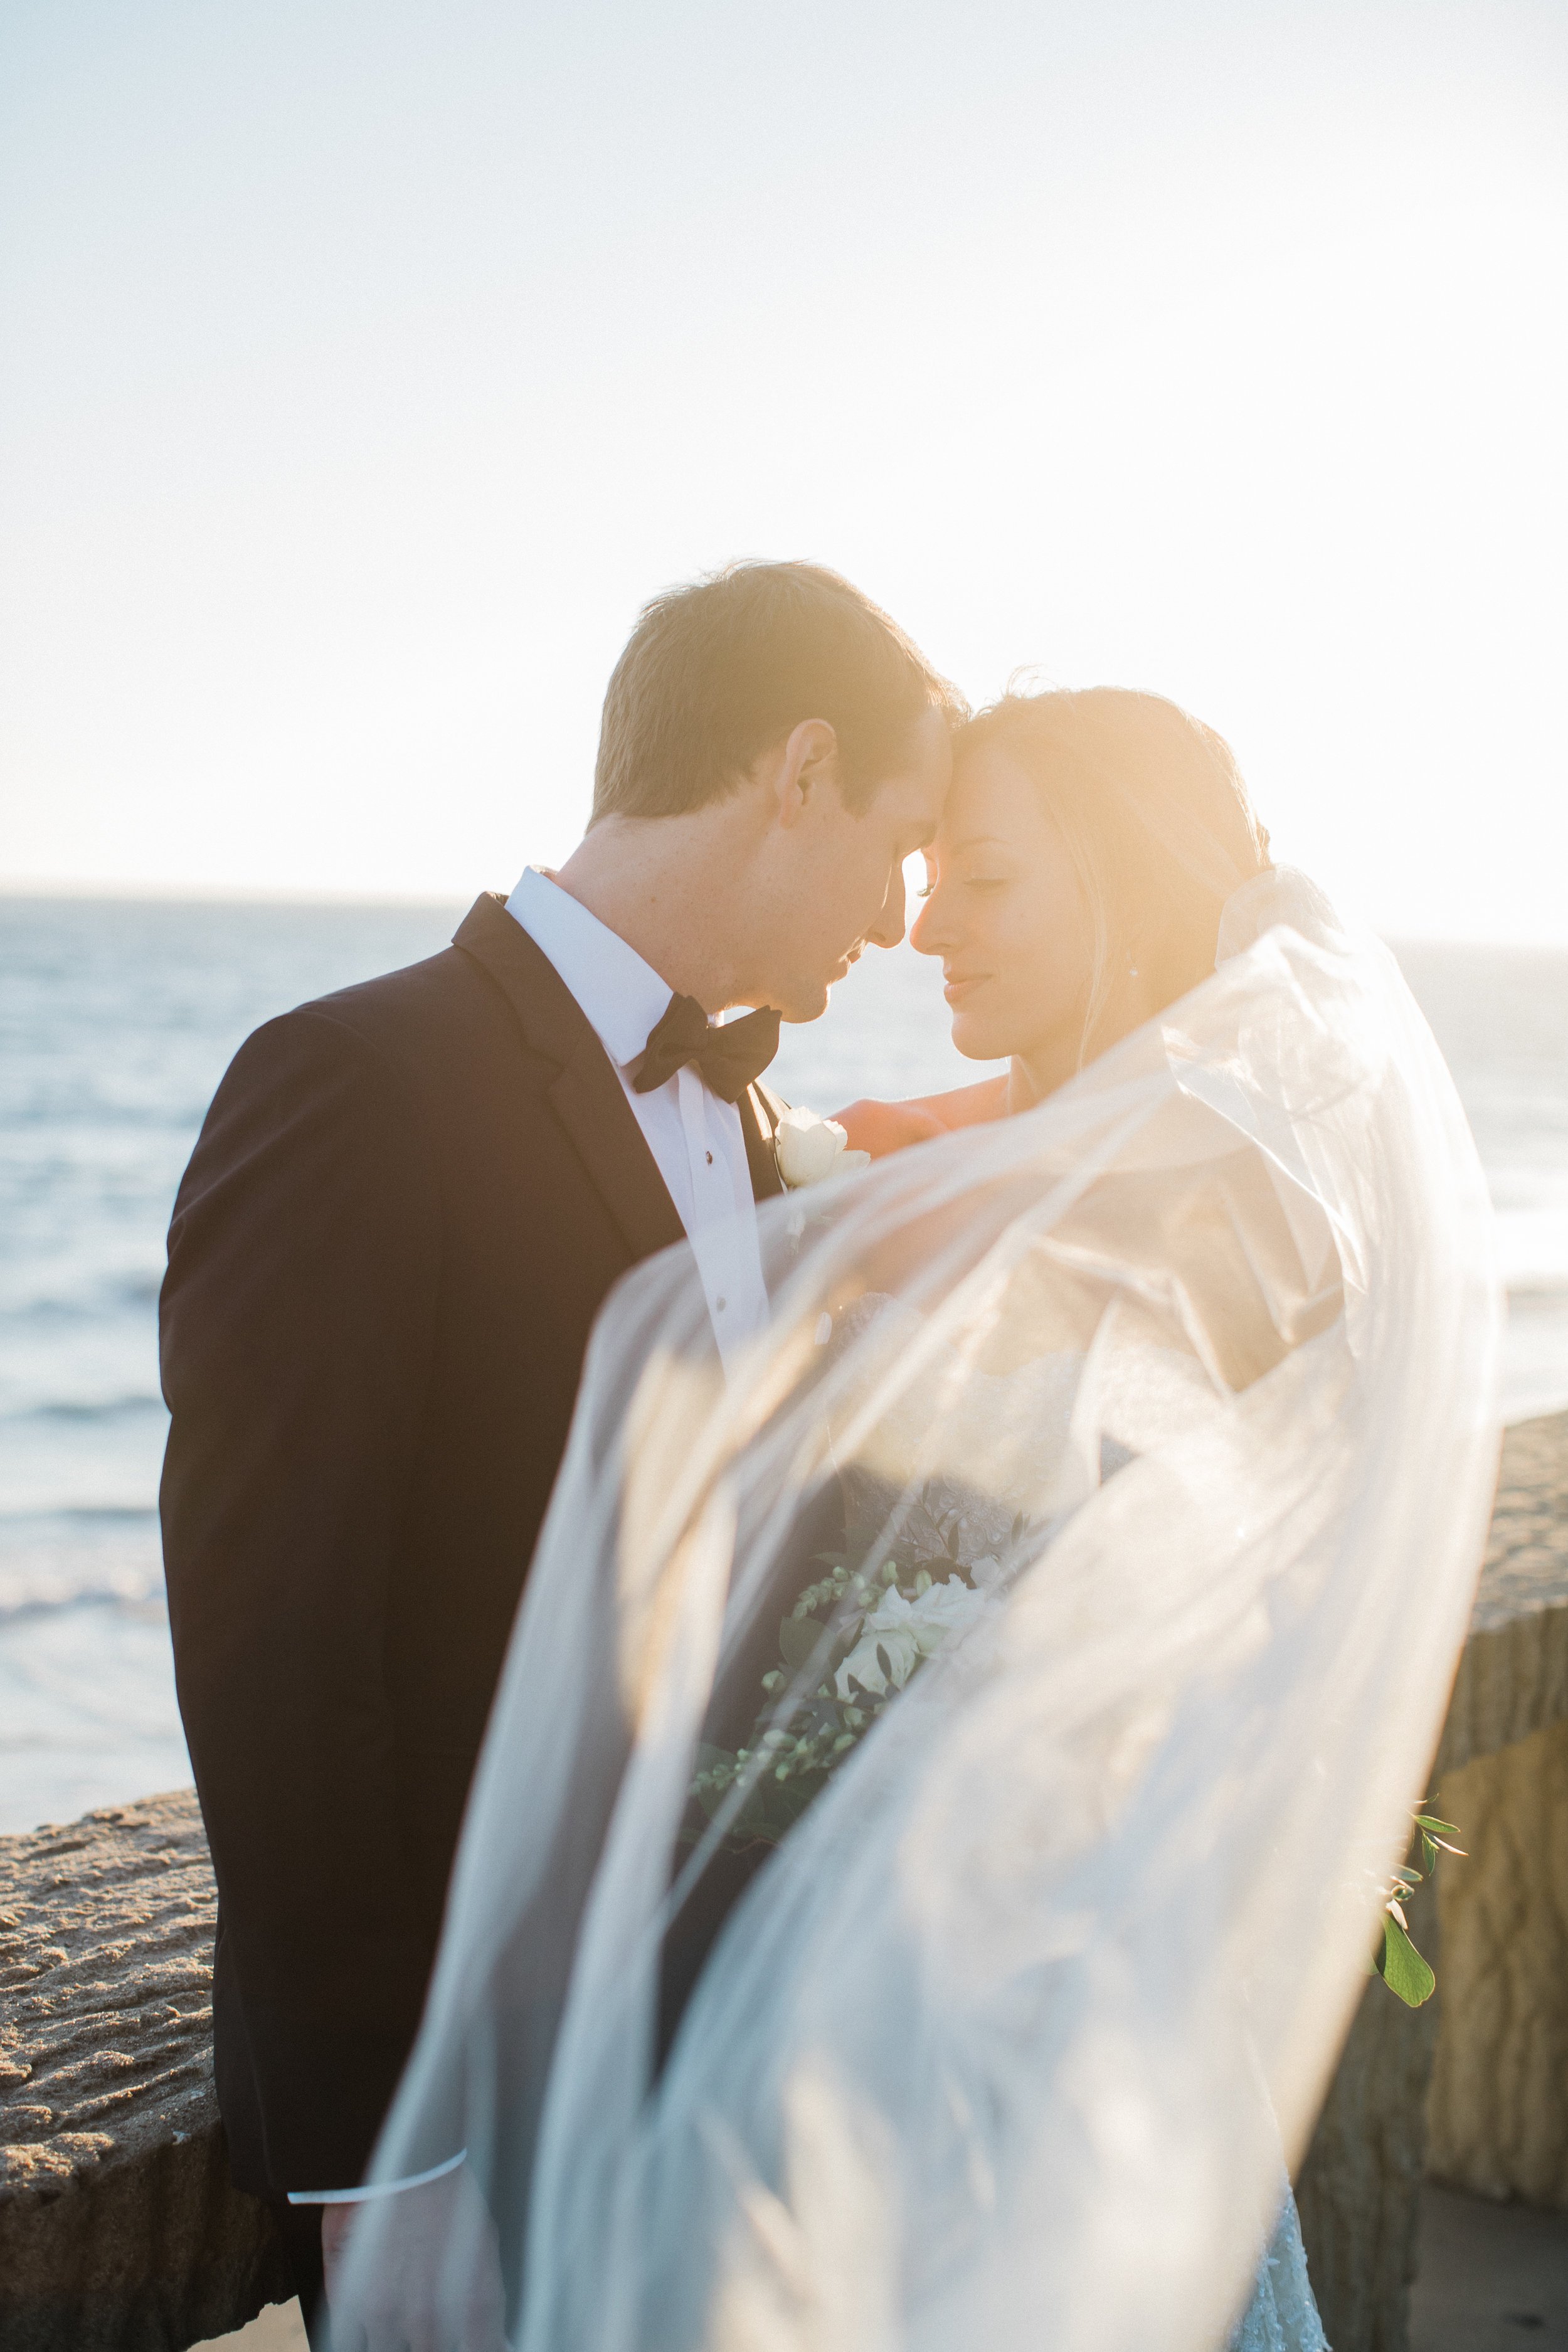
(728,1058)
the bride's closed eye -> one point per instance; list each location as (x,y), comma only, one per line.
(971,882)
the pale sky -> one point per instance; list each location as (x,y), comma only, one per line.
(367,363)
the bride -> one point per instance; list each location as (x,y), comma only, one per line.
(948,1770)
(1076,889)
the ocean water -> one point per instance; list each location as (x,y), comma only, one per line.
(116,1023)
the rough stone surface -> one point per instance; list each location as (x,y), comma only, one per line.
(1482,2047)
(1359,2187)
(118,2225)
(1498,2113)
(1513,1677)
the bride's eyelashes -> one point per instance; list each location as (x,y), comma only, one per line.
(971,882)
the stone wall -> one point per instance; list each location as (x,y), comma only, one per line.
(119,2229)
(1359,2190)
(1498,2107)
(1498,2113)
(1474,2087)
(120,2232)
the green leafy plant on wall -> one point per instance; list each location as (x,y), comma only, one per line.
(1397,1960)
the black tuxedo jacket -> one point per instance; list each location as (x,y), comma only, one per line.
(404,1210)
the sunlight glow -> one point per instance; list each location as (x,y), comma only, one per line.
(370,367)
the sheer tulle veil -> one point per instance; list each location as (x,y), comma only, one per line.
(1008,2039)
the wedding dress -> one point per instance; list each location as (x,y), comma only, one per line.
(1104,1505)
(1149,1396)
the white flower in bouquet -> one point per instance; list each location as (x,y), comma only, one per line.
(809,1148)
(899,1633)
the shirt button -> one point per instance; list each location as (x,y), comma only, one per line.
(723,1304)
(709,1160)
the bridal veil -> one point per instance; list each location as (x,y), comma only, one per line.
(994,2018)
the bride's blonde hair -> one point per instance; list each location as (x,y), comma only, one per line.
(1158,822)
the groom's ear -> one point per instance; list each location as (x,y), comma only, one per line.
(808,761)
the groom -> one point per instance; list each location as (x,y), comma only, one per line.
(404,1210)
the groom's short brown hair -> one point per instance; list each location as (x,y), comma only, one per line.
(716,673)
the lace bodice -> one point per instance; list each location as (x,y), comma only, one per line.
(1079,1417)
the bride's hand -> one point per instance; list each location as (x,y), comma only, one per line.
(883,1127)
(879,1128)
(424,2274)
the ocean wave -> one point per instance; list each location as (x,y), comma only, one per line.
(79,1515)
(64,1560)
(59,1125)
(151,1601)
(87,1408)
(95,1296)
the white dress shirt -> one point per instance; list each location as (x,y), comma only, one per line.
(695,1137)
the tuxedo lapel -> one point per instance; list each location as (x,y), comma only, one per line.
(760,1109)
(585,1094)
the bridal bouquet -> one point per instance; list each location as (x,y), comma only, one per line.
(852,1641)
(866,1631)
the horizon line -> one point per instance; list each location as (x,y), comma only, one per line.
(238,894)
(158,894)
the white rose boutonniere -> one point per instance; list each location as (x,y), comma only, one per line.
(899,1634)
(808,1148)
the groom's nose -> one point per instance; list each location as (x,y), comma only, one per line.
(888,928)
(928,932)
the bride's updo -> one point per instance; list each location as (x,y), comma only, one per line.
(1158,822)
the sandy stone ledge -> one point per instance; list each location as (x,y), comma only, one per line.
(119,2229)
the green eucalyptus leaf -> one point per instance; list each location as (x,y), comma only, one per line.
(1430,1822)
(798,1640)
(1401,1968)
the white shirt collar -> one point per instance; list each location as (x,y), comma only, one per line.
(621,995)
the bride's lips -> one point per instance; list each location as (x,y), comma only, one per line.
(961,984)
